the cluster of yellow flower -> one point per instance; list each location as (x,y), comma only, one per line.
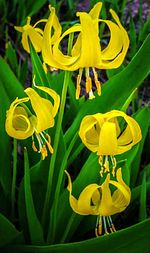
(100,133)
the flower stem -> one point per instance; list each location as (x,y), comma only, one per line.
(52,225)
(56,139)
(13,188)
(68,227)
(55,146)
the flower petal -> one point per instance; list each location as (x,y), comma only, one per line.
(124,40)
(43,109)
(130,136)
(66,60)
(55,97)
(95,11)
(83,204)
(115,44)
(122,196)
(119,200)
(18,124)
(36,39)
(89,39)
(107,139)
(47,53)
(89,131)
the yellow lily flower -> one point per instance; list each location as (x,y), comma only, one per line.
(98,200)
(102,133)
(86,52)
(33,33)
(21,123)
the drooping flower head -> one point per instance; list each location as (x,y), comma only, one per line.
(99,200)
(21,123)
(102,133)
(32,33)
(86,52)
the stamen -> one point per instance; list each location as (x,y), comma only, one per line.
(100,160)
(78,87)
(34,147)
(106,165)
(105,221)
(114,164)
(91,95)
(88,84)
(44,152)
(98,229)
(105,225)
(33,144)
(97,83)
(48,141)
(40,142)
(112,227)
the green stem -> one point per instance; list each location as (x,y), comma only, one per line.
(66,232)
(56,141)
(75,154)
(13,188)
(52,226)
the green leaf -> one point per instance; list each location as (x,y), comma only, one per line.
(5,144)
(38,71)
(116,90)
(134,239)
(133,46)
(142,211)
(144,125)
(11,57)
(23,71)
(147,171)
(144,31)
(34,226)
(8,232)
(34,6)
(10,83)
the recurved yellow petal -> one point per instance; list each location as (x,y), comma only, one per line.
(83,204)
(32,33)
(107,139)
(89,40)
(122,41)
(43,109)
(48,39)
(18,123)
(54,96)
(35,38)
(98,199)
(119,200)
(95,11)
(90,129)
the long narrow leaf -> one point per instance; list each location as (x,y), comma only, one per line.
(35,229)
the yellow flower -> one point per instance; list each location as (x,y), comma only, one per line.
(21,123)
(86,52)
(102,133)
(33,33)
(98,200)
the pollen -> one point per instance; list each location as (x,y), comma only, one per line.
(104,226)
(107,164)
